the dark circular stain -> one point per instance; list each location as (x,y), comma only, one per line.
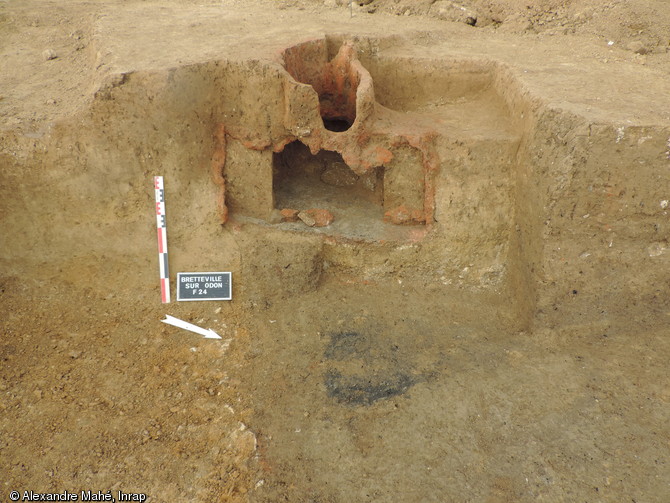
(381,376)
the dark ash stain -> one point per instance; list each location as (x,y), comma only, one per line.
(365,391)
(364,386)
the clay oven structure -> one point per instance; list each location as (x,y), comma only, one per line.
(338,150)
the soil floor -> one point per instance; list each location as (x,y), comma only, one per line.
(389,390)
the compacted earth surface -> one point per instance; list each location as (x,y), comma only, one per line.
(408,381)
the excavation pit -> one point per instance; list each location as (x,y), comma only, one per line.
(541,257)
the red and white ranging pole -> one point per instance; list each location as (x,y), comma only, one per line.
(162,239)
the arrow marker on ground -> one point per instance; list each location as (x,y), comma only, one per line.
(208,333)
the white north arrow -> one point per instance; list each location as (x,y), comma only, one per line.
(208,333)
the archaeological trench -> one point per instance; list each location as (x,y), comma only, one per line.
(450,169)
(381,158)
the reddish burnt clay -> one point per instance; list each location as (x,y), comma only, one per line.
(339,89)
(217,166)
(322,218)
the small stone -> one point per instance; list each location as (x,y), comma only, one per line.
(289,215)
(74,354)
(448,10)
(49,54)
(307,219)
(316,217)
